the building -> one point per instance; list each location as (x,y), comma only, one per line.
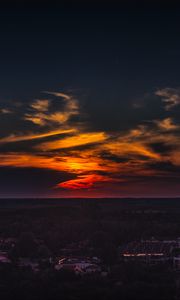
(4,257)
(149,251)
(176,263)
(30,263)
(79,265)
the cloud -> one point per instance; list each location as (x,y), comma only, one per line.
(171,97)
(41,114)
(166,124)
(79,139)
(130,148)
(93,159)
(59,94)
(5,111)
(33,136)
(41,105)
(85,181)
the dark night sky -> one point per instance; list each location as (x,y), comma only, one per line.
(115,70)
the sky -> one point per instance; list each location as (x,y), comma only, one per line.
(90,99)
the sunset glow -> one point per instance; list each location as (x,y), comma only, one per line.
(94,160)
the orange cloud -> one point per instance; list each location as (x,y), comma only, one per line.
(166,124)
(130,148)
(41,116)
(69,164)
(41,105)
(32,136)
(77,140)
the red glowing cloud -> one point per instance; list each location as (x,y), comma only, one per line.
(84,182)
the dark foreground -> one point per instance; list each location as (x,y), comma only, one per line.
(36,234)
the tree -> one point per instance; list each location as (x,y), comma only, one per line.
(27,245)
(44,252)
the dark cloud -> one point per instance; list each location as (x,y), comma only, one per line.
(161,147)
(168,167)
(108,156)
(29,181)
(111,113)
